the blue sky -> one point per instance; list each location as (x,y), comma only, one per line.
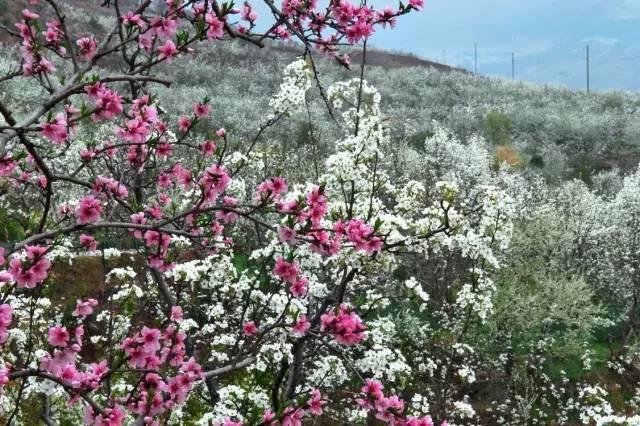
(547,36)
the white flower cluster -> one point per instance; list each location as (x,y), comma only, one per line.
(293,89)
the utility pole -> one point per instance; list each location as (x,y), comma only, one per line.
(588,72)
(475,58)
(444,56)
(513,65)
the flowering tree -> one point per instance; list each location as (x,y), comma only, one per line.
(325,262)
(188,320)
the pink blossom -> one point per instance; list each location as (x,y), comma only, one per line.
(286,271)
(176,314)
(301,326)
(359,31)
(133,19)
(346,327)
(268,417)
(227,216)
(247,13)
(221,132)
(287,235)
(33,271)
(87,47)
(157,239)
(214,181)
(4,377)
(184,124)
(315,403)
(167,51)
(271,188)
(201,110)
(29,15)
(145,41)
(150,339)
(419,421)
(84,308)
(58,336)
(88,242)
(208,148)
(387,16)
(299,287)
(362,235)
(89,210)
(7,165)
(138,219)
(373,388)
(53,34)
(292,416)
(163,150)
(108,104)
(87,155)
(5,321)
(216,26)
(164,27)
(164,181)
(111,416)
(56,131)
(133,131)
(249,328)
(110,186)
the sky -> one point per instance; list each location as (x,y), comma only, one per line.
(548,38)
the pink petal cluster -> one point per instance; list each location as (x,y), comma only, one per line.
(271,189)
(110,186)
(84,308)
(389,409)
(4,377)
(216,26)
(153,349)
(134,130)
(87,47)
(31,271)
(89,210)
(345,326)
(5,321)
(133,20)
(201,110)
(227,216)
(249,328)
(290,272)
(301,326)
(167,51)
(58,336)
(88,242)
(57,130)
(214,181)
(107,102)
(33,62)
(112,416)
(362,236)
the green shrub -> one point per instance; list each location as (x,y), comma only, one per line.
(497,127)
